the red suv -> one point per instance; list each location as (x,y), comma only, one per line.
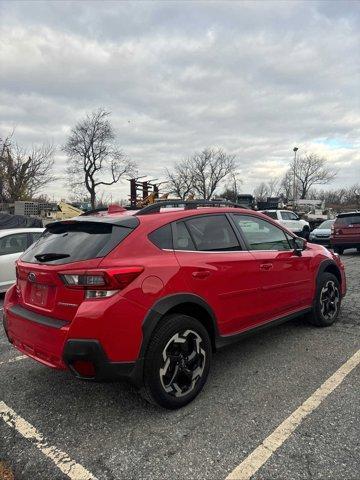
(150,296)
(345,232)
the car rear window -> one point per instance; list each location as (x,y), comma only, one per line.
(67,242)
(348,220)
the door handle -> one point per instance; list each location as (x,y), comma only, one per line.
(201,274)
(266,266)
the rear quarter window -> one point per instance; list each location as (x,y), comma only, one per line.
(77,241)
(162,237)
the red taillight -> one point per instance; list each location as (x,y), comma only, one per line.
(125,275)
(110,280)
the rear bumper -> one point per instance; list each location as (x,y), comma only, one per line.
(65,353)
(91,351)
(345,242)
(57,344)
(33,336)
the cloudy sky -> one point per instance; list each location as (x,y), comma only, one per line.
(256,78)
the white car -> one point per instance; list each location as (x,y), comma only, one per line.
(291,221)
(13,242)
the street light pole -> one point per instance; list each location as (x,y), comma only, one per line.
(295,149)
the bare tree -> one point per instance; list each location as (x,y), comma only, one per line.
(94,158)
(180,180)
(24,172)
(261,192)
(286,185)
(232,187)
(311,170)
(210,167)
(202,173)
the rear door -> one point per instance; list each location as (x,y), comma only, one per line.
(11,247)
(285,278)
(219,270)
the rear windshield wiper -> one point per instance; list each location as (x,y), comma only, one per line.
(48,257)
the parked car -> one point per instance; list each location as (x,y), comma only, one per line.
(13,242)
(290,220)
(345,232)
(321,234)
(151,296)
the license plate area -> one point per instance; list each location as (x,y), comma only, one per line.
(39,294)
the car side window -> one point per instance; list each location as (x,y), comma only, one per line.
(183,240)
(162,237)
(271,214)
(260,234)
(212,233)
(13,243)
(35,236)
(288,216)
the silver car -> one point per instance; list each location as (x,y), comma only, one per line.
(321,234)
(13,242)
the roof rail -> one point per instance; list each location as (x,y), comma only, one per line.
(187,204)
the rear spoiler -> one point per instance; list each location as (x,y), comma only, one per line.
(127,221)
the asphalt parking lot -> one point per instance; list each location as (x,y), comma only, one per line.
(110,432)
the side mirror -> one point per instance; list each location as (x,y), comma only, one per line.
(299,245)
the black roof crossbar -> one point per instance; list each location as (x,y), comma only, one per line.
(187,204)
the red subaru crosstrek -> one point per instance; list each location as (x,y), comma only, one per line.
(151,295)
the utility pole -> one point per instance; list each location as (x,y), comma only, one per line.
(295,149)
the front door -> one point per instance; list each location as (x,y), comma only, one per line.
(284,277)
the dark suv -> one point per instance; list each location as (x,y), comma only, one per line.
(345,232)
(150,296)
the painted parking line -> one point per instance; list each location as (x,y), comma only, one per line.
(263,452)
(12,360)
(69,467)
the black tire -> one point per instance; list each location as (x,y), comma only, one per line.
(327,301)
(339,250)
(176,380)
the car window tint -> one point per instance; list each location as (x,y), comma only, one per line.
(271,214)
(347,220)
(183,241)
(288,216)
(36,236)
(260,234)
(162,237)
(212,233)
(13,243)
(76,241)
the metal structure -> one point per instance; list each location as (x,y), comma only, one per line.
(186,204)
(142,192)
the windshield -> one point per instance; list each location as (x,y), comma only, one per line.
(326,225)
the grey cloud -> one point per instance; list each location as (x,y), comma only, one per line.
(253,77)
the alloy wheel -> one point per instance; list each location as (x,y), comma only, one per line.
(329,300)
(184,363)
